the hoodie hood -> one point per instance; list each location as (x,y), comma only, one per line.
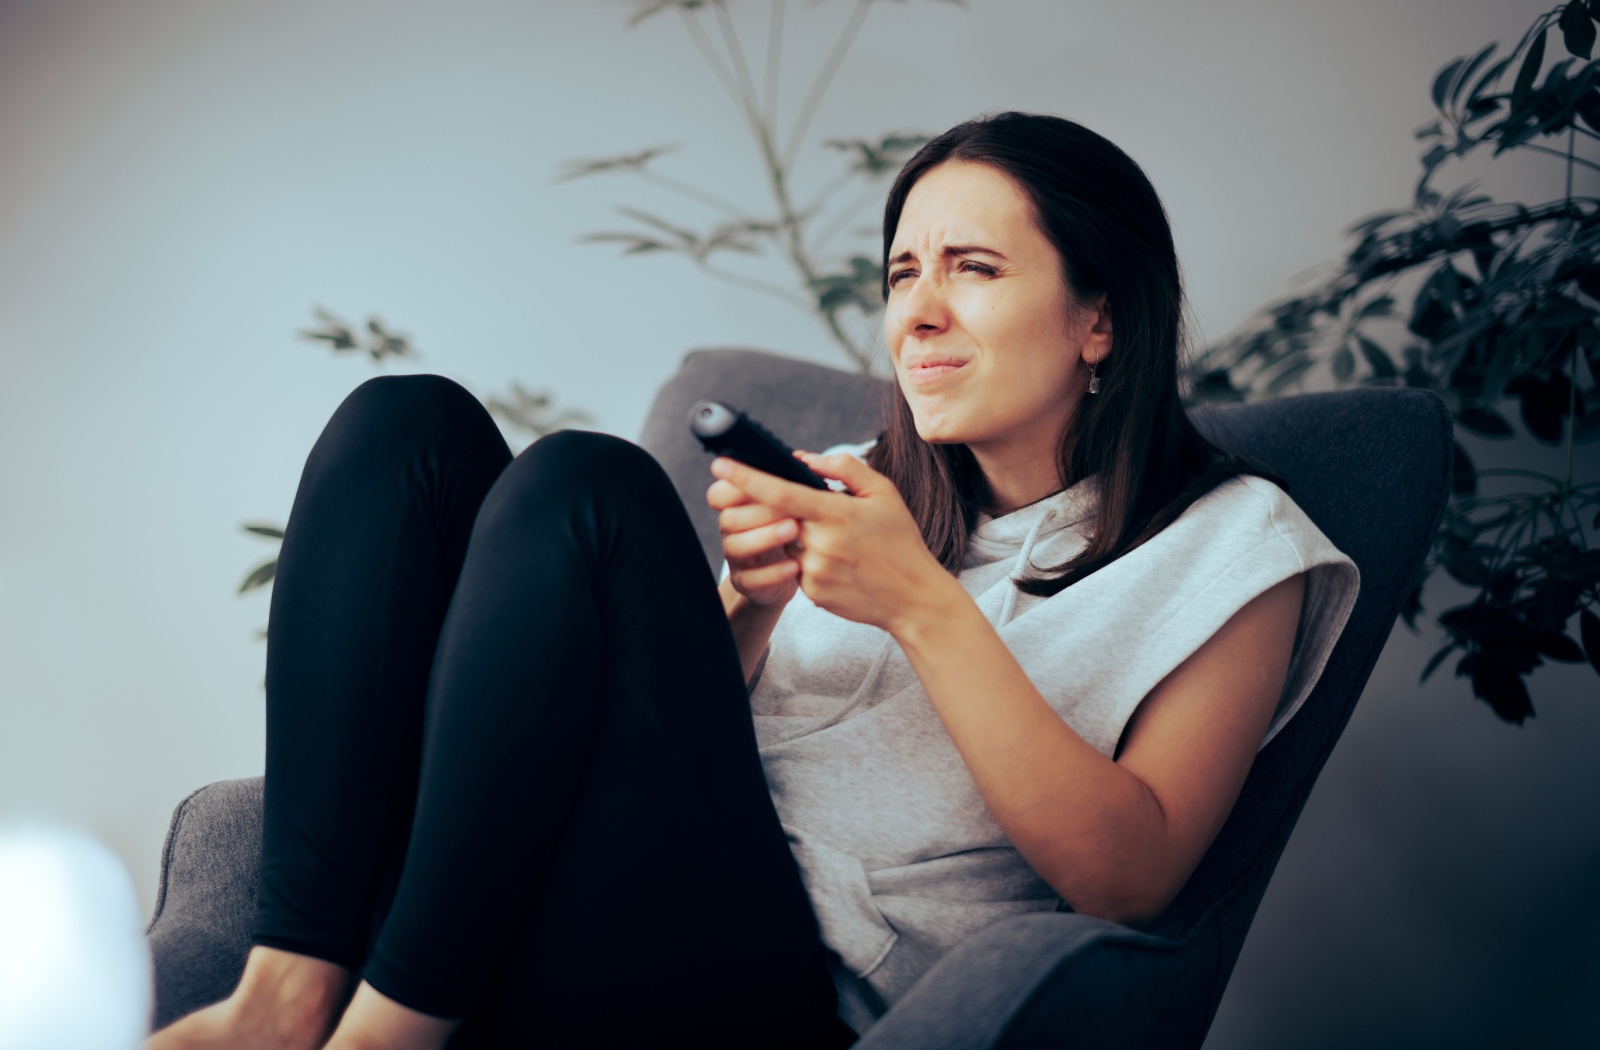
(1050,527)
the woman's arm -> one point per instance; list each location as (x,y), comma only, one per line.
(752,625)
(1115,838)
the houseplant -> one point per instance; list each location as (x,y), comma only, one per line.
(1504,304)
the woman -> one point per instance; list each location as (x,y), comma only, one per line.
(1024,664)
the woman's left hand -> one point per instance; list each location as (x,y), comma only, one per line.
(862,556)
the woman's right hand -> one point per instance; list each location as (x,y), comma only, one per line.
(755,541)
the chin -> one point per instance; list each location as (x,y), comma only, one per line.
(941,435)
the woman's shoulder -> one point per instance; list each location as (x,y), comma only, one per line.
(1250,504)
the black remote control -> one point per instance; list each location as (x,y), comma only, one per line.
(727,431)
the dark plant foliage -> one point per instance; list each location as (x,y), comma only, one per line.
(1504,304)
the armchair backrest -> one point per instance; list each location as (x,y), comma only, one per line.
(1370,466)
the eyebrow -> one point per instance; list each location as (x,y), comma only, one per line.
(949,251)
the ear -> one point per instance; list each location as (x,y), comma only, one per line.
(1097,337)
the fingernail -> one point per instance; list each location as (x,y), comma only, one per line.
(787,530)
(719,467)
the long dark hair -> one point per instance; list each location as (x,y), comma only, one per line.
(1098,209)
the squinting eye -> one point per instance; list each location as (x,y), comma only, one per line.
(894,278)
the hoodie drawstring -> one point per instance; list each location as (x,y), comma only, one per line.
(1022,566)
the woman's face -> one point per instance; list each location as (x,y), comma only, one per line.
(978,324)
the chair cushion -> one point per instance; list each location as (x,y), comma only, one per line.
(809,406)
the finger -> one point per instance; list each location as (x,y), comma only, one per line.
(768,575)
(748,544)
(723,494)
(798,501)
(856,475)
(747,516)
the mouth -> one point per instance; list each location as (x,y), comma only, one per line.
(930,369)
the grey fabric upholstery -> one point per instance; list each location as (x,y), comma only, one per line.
(809,406)
(200,932)
(1371,467)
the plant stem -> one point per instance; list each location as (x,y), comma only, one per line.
(790,222)
(1505,472)
(756,286)
(1572,387)
(1572,417)
(769,101)
(692,192)
(1572,155)
(730,40)
(1558,153)
(809,109)
(841,220)
(709,53)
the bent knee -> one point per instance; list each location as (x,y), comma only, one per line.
(389,416)
(581,466)
(412,399)
(584,455)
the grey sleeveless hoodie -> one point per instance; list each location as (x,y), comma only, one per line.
(900,856)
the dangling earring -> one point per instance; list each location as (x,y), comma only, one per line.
(1094,380)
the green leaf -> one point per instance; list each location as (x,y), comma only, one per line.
(1441,82)
(1558,646)
(1372,222)
(1497,681)
(1344,363)
(1382,306)
(1589,631)
(1378,359)
(651,7)
(334,331)
(530,410)
(1467,568)
(1436,660)
(1543,405)
(1289,375)
(625,162)
(883,156)
(273,531)
(1463,475)
(260,576)
(1489,76)
(1485,421)
(1216,386)
(1531,65)
(1577,29)
(1466,74)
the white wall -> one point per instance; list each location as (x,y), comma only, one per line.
(181,180)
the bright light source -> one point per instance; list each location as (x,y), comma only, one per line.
(74,967)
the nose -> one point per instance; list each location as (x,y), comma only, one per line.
(923,310)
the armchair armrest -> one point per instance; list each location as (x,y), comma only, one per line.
(1036,980)
(210,865)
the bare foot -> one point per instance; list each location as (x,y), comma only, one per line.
(373,1020)
(285,1001)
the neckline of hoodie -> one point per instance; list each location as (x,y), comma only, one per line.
(1071,507)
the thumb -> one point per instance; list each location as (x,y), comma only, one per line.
(856,475)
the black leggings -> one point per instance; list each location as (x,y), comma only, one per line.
(511,770)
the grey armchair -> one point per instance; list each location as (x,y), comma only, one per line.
(1370,466)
